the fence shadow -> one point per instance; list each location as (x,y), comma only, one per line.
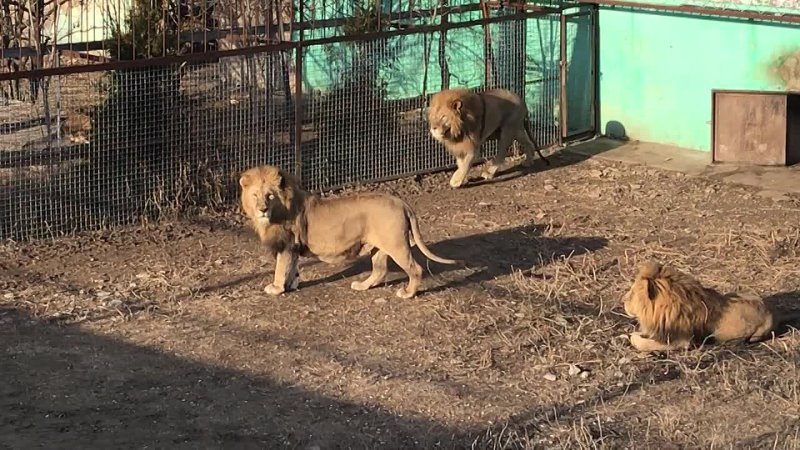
(65,386)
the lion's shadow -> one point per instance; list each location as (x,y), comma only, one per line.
(513,168)
(487,256)
(783,303)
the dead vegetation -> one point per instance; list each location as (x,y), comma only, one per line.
(161,335)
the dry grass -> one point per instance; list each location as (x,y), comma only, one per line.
(525,349)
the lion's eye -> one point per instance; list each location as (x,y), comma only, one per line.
(271,197)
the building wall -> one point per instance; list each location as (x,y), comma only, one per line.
(657,70)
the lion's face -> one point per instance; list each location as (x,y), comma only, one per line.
(640,297)
(445,116)
(264,195)
(631,300)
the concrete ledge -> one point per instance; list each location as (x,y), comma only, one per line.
(774,182)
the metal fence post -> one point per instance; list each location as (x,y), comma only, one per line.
(298,110)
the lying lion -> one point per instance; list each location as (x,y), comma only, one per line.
(463,120)
(293,223)
(674,310)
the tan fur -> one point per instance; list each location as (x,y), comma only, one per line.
(293,222)
(463,120)
(674,310)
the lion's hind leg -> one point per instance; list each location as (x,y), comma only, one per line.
(379,270)
(493,165)
(646,344)
(401,255)
(530,147)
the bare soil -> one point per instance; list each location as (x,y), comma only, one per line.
(161,336)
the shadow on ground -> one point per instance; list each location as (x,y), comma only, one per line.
(64,386)
(488,255)
(785,305)
(559,159)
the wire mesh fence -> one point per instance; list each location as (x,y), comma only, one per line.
(98,148)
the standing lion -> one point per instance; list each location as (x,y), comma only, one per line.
(463,121)
(674,310)
(293,222)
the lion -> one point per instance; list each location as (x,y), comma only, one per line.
(292,222)
(674,310)
(463,121)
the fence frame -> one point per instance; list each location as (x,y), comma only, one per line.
(300,46)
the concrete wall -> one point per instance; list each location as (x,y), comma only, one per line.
(657,70)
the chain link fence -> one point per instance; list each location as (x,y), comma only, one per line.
(99,148)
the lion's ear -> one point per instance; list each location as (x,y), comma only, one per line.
(244,180)
(457,105)
(281,180)
(652,289)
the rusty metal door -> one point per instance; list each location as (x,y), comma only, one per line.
(579,74)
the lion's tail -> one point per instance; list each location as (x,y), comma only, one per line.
(526,123)
(412,219)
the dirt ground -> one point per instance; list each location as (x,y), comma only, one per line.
(161,337)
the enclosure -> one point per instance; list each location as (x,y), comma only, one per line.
(132,311)
(160,116)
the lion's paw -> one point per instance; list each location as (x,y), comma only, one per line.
(359,286)
(455,183)
(529,161)
(488,173)
(403,293)
(295,283)
(271,289)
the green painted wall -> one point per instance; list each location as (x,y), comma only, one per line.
(657,70)
(404,70)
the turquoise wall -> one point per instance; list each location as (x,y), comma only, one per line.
(401,61)
(657,70)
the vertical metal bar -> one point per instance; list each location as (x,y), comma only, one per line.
(713,126)
(563,79)
(487,45)
(298,99)
(594,36)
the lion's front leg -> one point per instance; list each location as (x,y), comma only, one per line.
(287,274)
(464,162)
(646,344)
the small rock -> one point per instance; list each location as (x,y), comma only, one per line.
(594,194)
(540,215)
(379,301)
(142,275)
(596,173)
(102,294)
(618,374)
(584,375)
(635,186)
(115,303)
(549,187)
(484,204)
(9,295)
(550,377)
(573,370)
(624,360)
